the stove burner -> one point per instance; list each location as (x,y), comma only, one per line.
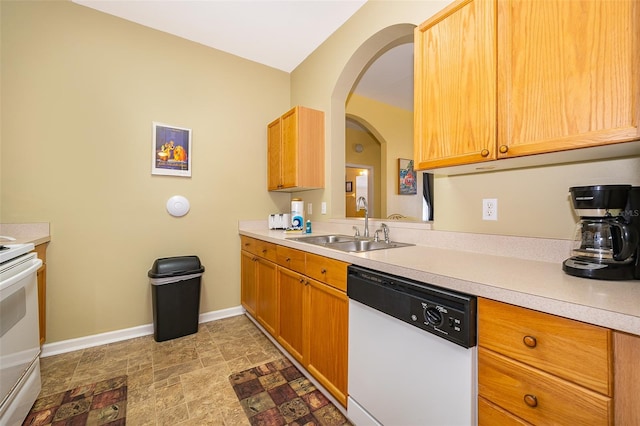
(4,247)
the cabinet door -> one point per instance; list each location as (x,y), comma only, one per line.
(274,155)
(289,149)
(248,283)
(455,86)
(267,300)
(327,323)
(568,74)
(292,292)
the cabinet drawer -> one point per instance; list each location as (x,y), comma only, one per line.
(538,397)
(248,244)
(570,349)
(266,250)
(329,271)
(290,258)
(490,414)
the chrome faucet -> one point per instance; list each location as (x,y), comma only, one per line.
(385,229)
(361,203)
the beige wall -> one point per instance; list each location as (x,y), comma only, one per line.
(80,90)
(531,202)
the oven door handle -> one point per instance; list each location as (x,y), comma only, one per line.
(37,263)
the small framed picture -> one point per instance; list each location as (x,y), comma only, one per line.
(171,153)
(348,187)
(407,183)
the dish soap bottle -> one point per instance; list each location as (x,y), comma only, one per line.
(308,228)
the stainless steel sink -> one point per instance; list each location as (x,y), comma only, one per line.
(322,240)
(348,243)
(365,245)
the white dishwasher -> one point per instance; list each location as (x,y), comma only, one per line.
(412,354)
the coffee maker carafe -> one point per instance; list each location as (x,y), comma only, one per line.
(606,238)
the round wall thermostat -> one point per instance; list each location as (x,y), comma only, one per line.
(178,206)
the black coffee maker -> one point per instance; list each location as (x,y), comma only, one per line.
(606,244)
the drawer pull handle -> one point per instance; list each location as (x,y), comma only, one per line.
(264,250)
(484,153)
(503,149)
(530,341)
(531,400)
(301,280)
(288,259)
(323,271)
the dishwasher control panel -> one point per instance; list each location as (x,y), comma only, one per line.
(442,312)
(438,317)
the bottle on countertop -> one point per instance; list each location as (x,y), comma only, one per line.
(308,227)
(297,213)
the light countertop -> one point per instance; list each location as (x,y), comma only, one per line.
(36,233)
(534,284)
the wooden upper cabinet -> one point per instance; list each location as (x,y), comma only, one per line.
(455,86)
(568,74)
(509,78)
(295,151)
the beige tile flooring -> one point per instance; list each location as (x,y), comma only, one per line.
(183,381)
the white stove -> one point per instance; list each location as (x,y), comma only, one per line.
(19,332)
(11,251)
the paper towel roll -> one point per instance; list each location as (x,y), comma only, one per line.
(297,213)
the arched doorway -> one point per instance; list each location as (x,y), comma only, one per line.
(368,52)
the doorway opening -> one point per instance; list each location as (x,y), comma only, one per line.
(410,207)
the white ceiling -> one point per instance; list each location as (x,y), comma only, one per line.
(276,33)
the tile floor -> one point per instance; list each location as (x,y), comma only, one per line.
(182,381)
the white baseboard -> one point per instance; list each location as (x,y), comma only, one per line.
(70,345)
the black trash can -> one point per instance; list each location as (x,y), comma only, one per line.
(175,290)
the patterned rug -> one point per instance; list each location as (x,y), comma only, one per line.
(278,394)
(101,403)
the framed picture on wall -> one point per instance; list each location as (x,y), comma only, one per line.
(407,182)
(171,153)
(348,187)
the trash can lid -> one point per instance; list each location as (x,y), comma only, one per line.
(175,266)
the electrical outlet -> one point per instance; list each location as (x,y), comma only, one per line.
(323,208)
(309,208)
(489,209)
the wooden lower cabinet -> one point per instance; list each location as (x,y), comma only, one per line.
(267,301)
(293,297)
(308,317)
(41,250)
(259,290)
(541,369)
(626,349)
(314,328)
(328,337)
